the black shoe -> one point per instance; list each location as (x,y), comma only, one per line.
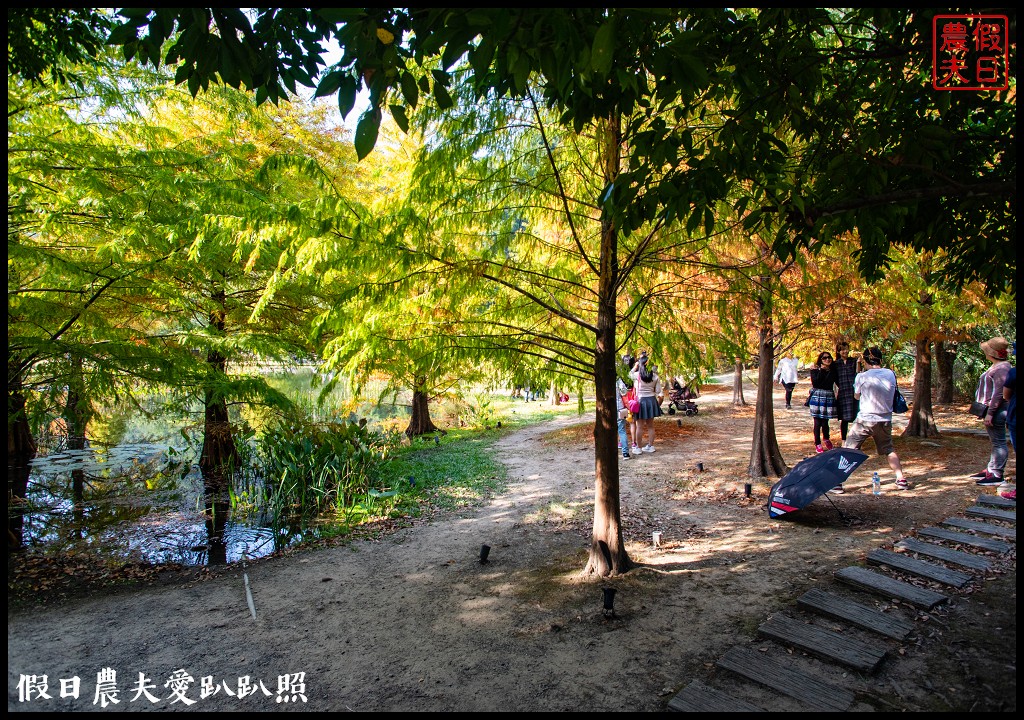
(625,456)
(989,481)
(979,475)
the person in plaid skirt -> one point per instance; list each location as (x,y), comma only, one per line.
(822,400)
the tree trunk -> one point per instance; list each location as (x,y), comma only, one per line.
(420,422)
(944,373)
(219,457)
(78,410)
(922,422)
(737,384)
(553,398)
(607,550)
(217,508)
(765,456)
(21,448)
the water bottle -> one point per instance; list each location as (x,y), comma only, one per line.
(876,484)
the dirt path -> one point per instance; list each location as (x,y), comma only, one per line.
(414,621)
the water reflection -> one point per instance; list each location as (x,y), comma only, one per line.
(17,488)
(135,502)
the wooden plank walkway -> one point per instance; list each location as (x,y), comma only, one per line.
(854,613)
(996,501)
(698,697)
(965,539)
(957,557)
(888,587)
(823,643)
(982,527)
(928,570)
(991,513)
(782,678)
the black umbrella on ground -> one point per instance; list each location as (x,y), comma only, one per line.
(812,477)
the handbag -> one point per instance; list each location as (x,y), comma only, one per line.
(632,404)
(899,403)
(979,409)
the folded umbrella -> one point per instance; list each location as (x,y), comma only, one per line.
(812,477)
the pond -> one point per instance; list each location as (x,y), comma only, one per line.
(143,502)
(137,498)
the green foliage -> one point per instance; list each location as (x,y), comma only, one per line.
(46,41)
(309,468)
(880,153)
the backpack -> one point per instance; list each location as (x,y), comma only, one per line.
(632,404)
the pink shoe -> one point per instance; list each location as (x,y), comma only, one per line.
(819,448)
(828,444)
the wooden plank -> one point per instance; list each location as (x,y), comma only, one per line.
(965,539)
(957,557)
(991,513)
(996,501)
(982,527)
(698,697)
(889,587)
(854,613)
(823,643)
(787,680)
(928,570)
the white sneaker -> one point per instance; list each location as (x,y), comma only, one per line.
(648,448)
(636,450)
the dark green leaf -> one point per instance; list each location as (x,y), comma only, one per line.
(329,84)
(444,100)
(603,50)
(122,34)
(366,132)
(346,95)
(410,91)
(398,113)
(340,15)
(452,52)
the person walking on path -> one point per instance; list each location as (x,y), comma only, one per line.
(846,371)
(628,389)
(650,394)
(1010,396)
(785,375)
(875,389)
(623,413)
(822,400)
(990,394)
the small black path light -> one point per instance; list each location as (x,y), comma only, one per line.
(484,551)
(700,467)
(609,601)
(747,489)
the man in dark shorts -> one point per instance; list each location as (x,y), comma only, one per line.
(875,388)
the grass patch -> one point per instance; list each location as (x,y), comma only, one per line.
(454,473)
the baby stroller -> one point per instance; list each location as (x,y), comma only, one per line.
(681,398)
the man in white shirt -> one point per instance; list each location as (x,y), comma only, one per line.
(785,375)
(875,388)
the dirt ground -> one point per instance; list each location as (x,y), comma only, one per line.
(413,621)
